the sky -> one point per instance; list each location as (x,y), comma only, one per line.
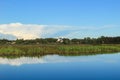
(30,19)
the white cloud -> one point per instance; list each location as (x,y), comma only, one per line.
(29,31)
(26,31)
(7,36)
(32,31)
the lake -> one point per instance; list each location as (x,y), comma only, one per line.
(54,67)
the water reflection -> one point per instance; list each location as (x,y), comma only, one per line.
(107,58)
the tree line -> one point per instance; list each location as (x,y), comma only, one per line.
(86,40)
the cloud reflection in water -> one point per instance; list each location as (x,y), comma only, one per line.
(109,58)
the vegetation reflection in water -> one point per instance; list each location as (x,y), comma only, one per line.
(58,59)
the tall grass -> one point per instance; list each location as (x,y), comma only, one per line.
(86,50)
(40,50)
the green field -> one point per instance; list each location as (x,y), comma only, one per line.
(41,50)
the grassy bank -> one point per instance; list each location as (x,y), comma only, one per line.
(40,50)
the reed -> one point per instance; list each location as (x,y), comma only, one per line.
(40,50)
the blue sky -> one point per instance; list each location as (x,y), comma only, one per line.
(82,15)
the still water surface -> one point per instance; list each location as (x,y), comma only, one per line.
(54,67)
